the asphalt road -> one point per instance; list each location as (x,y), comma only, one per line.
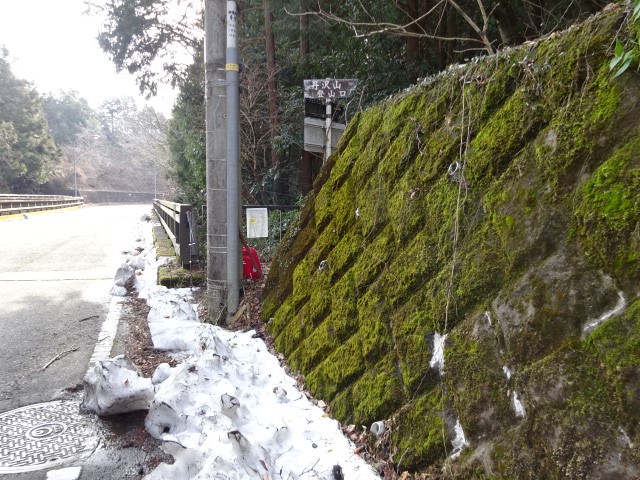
(56,270)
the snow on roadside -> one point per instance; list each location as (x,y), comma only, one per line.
(228,410)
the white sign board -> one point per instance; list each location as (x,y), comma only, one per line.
(257,223)
(315,135)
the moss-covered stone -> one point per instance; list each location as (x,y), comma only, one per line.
(420,436)
(608,213)
(344,365)
(377,393)
(496,203)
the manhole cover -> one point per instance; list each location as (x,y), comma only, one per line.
(43,435)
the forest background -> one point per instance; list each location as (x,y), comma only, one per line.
(387,45)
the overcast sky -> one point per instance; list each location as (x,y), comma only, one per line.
(53,45)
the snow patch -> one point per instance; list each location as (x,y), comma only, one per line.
(625,438)
(115,386)
(437,359)
(459,441)
(591,326)
(228,410)
(70,473)
(161,373)
(232,409)
(517,405)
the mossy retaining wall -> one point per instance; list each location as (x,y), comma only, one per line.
(497,203)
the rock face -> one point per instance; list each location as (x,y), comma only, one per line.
(498,204)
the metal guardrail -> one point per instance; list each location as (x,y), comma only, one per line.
(180,225)
(12,204)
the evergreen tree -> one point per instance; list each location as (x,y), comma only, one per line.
(28,153)
(67,114)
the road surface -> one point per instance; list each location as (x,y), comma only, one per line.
(56,270)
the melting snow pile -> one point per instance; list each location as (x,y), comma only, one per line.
(116,386)
(228,410)
(231,411)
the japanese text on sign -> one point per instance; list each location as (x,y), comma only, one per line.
(329,88)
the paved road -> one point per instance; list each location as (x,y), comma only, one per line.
(56,270)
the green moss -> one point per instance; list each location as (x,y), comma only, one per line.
(344,297)
(379,136)
(390,249)
(323,206)
(173,275)
(373,304)
(344,210)
(616,344)
(302,282)
(372,206)
(282,316)
(297,242)
(497,87)
(345,253)
(420,431)
(373,258)
(502,136)
(407,272)
(482,272)
(317,345)
(323,245)
(607,214)
(338,370)
(377,393)
(375,338)
(297,329)
(342,405)
(320,300)
(402,151)
(475,380)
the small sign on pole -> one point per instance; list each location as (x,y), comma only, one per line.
(257,222)
(329,88)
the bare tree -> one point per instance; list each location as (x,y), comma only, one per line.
(414,27)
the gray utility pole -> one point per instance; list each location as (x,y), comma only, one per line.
(216,138)
(234,260)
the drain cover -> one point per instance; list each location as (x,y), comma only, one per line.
(44,435)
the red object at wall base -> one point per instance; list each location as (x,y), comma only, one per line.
(251,270)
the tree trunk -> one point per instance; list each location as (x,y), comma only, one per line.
(306,167)
(273,97)
(415,9)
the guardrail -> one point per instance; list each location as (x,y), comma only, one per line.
(11,204)
(180,225)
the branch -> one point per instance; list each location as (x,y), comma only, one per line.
(58,357)
(481,33)
(376,27)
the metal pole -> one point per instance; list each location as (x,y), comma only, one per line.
(216,140)
(75,176)
(233,165)
(327,137)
